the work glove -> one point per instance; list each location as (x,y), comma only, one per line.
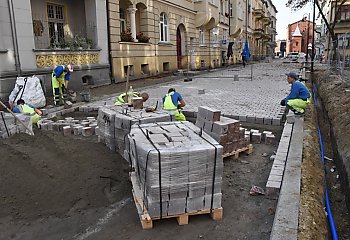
(283,102)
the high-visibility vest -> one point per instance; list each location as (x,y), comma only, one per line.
(120,100)
(168,102)
(24,108)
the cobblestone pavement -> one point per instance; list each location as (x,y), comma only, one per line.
(253,100)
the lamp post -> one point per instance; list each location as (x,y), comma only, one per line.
(313,38)
(308,34)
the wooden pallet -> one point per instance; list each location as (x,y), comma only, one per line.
(182,219)
(235,153)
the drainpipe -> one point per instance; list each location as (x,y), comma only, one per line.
(14,38)
(110,59)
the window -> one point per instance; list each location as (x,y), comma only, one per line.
(55,14)
(231,10)
(215,37)
(224,36)
(163,28)
(122,20)
(201,37)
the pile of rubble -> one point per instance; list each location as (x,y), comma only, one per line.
(10,126)
(178,167)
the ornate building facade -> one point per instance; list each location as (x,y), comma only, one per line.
(37,35)
(157,36)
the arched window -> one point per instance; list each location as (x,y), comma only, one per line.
(163,27)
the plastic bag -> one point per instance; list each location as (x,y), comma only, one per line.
(29,89)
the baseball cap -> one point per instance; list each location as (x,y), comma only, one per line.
(70,68)
(292,75)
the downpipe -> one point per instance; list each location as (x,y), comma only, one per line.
(328,206)
(14,38)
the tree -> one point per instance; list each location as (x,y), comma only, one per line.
(320,4)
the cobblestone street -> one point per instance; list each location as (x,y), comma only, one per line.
(255,100)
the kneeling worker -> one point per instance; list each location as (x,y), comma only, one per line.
(299,97)
(121,98)
(173,101)
(28,109)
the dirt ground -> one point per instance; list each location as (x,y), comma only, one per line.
(56,187)
(334,110)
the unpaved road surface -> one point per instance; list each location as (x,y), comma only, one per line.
(56,187)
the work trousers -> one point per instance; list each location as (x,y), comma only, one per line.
(298,104)
(59,91)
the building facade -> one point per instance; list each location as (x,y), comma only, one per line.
(37,35)
(150,37)
(306,30)
(341,28)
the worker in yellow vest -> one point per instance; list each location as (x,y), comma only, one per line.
(173,102)
(28,109)
(59,80)
(121,98)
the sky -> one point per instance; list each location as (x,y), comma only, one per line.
(285,16)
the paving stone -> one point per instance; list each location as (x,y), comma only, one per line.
(67,130)
(86,131)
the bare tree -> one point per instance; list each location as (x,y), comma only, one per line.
(320,4)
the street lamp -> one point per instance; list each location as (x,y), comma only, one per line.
(308,33)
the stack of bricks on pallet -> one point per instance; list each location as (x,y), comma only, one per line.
(174,163)
(224,130)
(10,126)
(86,127)
(115,123)
(274,181)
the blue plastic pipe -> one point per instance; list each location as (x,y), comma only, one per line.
(328,206)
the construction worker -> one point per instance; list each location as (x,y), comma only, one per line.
(121,98)
(60,79)
(299,96)
(173,101)
(28,109)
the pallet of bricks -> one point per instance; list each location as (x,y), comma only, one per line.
(178,172)
(226,131)
(115,122)
(10,126)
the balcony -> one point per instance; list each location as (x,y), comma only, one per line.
(223,18)
(258,32)
(258,12)
(342,25)
(266,20)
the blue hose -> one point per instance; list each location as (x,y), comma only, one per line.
(328,207)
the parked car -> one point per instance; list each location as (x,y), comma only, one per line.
(293,56)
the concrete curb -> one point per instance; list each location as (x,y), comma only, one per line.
(285,225)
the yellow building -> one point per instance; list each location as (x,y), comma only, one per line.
(150,37)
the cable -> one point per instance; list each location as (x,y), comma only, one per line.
(328,207)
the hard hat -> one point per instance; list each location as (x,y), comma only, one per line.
(70,68)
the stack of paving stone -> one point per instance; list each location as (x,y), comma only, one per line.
(10,126)
(226,131)
(115,122)
(178,168)
(69,126)
(255,136)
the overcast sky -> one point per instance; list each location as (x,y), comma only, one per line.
(285,16)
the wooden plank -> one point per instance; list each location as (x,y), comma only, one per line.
(248,150)
(182,219)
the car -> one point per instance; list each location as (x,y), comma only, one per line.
(293,56)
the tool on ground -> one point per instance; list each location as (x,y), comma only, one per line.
(14,115)
(152,109)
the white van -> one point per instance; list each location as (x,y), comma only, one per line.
(293,56)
